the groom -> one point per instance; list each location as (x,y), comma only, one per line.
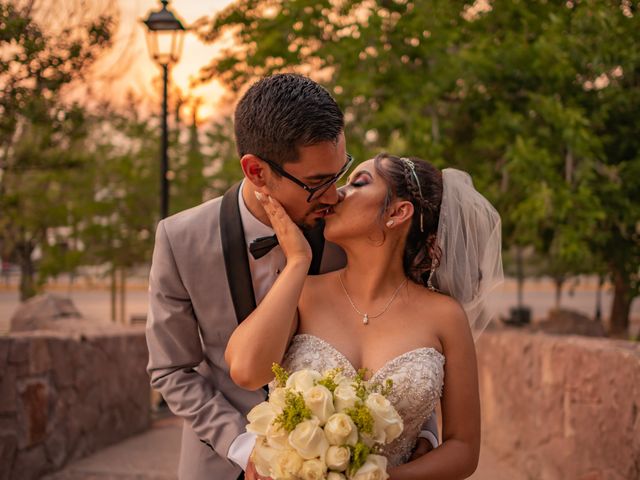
(213,263)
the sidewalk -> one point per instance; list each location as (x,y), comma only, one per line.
(153,455)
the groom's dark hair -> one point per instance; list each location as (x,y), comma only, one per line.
(282,112)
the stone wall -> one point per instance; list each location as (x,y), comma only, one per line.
(561,407)
(63,396)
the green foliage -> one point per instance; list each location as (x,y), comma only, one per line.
(187,166)
(294,412)
(280,374)
(361,416)
(44,143)
(537,100)
(224,165)
(359,454)
(80,186)
(329,379)
(360,384)
(385,389)
(117,223)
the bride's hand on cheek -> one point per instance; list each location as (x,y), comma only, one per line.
(290,237)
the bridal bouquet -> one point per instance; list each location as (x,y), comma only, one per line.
(317,426)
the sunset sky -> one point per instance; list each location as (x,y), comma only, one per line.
(138,70)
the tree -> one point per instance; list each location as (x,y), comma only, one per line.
(535,99)
(122,200)
(43,140)
(223,165)
(188,165)
(553,78)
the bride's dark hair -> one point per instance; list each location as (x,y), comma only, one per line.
(421,253)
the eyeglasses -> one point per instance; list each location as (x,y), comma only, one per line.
(314,192)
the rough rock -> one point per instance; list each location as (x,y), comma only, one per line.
(34,396)
(45,312)
(569,322)
(561,406)
(63,396)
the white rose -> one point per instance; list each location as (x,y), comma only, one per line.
(263,456)
(320,402)
(303,380)
(336,476)
(338,458)
(367,439)
(309,440)
(277,437)
(340,430)
(374,468)
(313,470)
(388,423)
(278,398)
(260,417)
(339,378)
(344,397)
(286,465)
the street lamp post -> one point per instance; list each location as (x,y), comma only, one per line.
(165,35)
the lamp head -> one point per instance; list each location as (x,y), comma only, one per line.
(165,35)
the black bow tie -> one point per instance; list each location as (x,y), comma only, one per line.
(263,245)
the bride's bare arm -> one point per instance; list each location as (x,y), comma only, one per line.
(457,457)
(262,338)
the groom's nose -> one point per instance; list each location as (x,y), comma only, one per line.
(330,197)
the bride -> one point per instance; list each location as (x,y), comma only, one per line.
(423,250)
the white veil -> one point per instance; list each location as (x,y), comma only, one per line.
(470,238)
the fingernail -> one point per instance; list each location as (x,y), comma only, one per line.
(258,195)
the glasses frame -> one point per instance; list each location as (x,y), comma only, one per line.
(310,190)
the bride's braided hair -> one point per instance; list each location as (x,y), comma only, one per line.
(402,175)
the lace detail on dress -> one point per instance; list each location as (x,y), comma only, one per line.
(418,377)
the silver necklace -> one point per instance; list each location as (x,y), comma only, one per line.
(366,316)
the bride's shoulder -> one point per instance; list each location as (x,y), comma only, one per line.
(443,310)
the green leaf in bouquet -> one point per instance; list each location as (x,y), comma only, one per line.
(295,411)
(359,454)
(361,416)
(329,379)
(360,384)
(281,375)
(385,390)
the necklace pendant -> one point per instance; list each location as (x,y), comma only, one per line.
(365,319)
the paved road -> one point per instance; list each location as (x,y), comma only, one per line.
(152,455)
(94,304)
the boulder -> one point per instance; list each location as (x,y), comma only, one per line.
(45,312)
(561,321)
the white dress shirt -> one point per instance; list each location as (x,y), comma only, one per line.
(265,270)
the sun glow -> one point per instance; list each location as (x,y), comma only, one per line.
(128,68)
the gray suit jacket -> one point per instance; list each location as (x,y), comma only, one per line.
(198,255)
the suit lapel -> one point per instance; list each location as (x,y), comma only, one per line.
(236,260)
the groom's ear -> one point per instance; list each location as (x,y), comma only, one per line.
(400,212)
(254,169)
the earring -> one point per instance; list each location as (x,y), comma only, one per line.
(429,284)
(389,223)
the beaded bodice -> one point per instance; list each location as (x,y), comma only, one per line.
(417,375)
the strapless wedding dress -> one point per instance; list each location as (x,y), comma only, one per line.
(417,375)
